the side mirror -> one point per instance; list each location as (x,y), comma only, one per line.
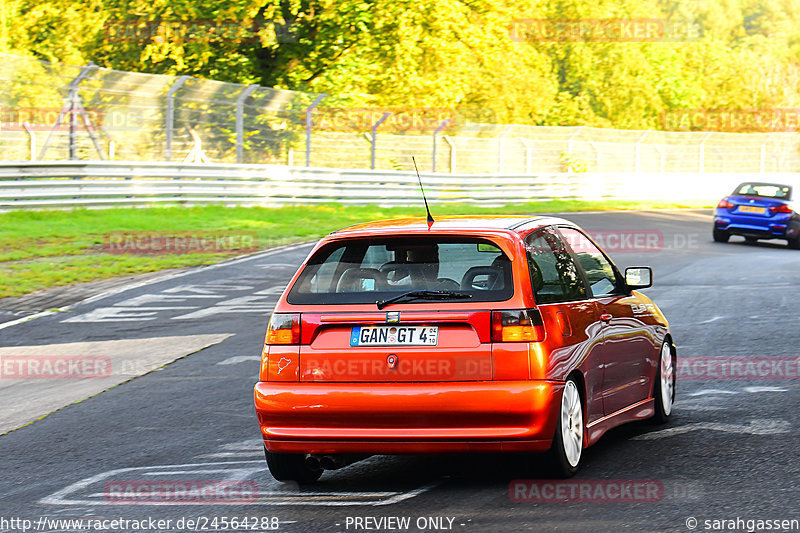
(639,277)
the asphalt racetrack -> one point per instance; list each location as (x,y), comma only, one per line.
(730,452)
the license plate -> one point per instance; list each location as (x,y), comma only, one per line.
(394,336)
(751,209)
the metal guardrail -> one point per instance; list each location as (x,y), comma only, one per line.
(66,184)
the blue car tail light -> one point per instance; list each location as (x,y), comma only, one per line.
(725,204)
(783,208)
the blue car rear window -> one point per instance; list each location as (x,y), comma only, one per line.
(764,190)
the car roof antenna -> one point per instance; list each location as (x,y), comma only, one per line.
(421,188)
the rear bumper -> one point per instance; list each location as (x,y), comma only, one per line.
(393,418)
(772,228)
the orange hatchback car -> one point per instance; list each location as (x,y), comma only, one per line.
(467,334)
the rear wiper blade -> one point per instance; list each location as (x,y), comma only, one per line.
(423,295)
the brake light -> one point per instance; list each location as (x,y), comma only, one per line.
(724,203)
(524,325)
(284,328)
(783,208)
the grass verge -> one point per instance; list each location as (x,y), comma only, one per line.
(44,249)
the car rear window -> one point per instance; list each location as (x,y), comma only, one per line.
(369,270)
(765,190)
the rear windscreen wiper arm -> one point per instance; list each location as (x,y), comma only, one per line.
(423,295)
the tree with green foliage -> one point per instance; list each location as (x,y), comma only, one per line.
(743,54)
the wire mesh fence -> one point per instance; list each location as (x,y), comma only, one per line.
(51,111)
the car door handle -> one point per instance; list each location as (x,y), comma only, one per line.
(606,317)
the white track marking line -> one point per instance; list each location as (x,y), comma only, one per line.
(159,279)
(239,359)
(276,495)
(707,392)
(33,378)
(225,455)
(755,427)
(25,319)
(760,388)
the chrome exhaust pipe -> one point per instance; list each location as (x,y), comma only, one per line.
(313,462)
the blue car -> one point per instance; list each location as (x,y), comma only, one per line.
(758,211)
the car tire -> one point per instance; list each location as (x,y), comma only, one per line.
(721,235)
(567,447)
(291,467)
(751,240)
(664,388)
(794,243)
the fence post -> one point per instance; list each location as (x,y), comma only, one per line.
(171,113)
(73,94)
(451,144)
(528,152)
(572,135)
(31,139)
(596,155)
(703,152)
(660,157)
(112,147)
(74,104)
(240,121)
(501,149)
(374,139)
(637,149)
(310,125)
(442,126)
(721,157)
(72,121)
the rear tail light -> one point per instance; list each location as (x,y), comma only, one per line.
(524,325)
(724,203)
(284,328)
(780,209)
